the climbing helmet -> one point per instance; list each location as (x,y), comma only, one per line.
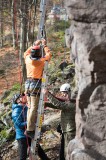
(65,87)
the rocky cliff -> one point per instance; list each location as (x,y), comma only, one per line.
(87,39)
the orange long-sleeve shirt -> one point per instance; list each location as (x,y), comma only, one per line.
(35,67)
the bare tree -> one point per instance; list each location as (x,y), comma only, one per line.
(24,12)
(1,24)
(14,25)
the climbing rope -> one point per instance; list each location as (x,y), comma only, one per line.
(27,137)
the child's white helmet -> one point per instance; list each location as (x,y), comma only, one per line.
(65,87)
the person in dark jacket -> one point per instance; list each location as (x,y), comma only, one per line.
(19,116)
(67,107)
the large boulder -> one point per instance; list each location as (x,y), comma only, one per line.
(87,39)
(89,11)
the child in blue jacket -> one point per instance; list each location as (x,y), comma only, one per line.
(19,112)
(19,116)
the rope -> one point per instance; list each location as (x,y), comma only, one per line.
(26,135)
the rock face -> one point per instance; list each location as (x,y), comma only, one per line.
(87,39)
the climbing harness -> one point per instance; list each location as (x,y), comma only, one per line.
(33,89)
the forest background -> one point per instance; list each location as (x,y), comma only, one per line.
(19,24)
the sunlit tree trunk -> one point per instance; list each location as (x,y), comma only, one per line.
(23,33)
(13,17)
(1,23)
(34,19)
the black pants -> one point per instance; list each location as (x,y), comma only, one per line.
(62,156)
(22,147)
(61,153)
(23,144)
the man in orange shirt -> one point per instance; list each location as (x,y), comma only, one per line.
(34,66)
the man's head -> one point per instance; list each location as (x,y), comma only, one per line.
(19,98)
(65,90)
(35,53)
(65,87)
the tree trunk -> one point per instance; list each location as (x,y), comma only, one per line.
(13,17)
(23,33)
(1,24)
